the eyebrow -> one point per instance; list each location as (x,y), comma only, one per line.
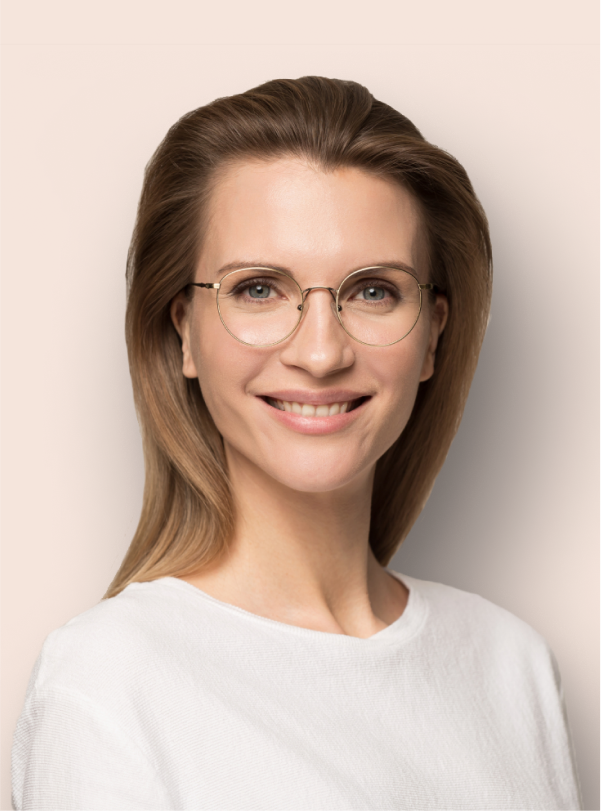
(256,264)
(269,266)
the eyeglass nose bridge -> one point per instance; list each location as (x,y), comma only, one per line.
(306,292)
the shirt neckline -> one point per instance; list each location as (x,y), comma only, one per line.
(403,628)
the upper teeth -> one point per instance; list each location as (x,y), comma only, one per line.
(307,410)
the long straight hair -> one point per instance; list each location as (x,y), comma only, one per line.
(187,514)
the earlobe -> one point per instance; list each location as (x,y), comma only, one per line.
(180,315)
(438,322)
(428,366)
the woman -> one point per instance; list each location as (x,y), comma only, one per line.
(309,284)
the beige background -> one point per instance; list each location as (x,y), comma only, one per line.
(510,89)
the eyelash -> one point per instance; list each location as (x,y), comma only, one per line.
(365,284)
(242,287)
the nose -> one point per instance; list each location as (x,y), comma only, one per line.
(319,345)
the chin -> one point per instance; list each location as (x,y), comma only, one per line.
(308,474)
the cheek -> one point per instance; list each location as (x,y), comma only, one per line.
(398,369)
(224,368)
(399,366)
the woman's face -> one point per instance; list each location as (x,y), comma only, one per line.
(320,226)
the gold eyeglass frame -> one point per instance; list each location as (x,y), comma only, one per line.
(304,293)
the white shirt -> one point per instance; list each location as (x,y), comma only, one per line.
(164,697)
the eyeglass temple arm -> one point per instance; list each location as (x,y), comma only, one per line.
(208,285)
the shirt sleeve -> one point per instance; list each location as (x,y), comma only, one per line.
(69,753)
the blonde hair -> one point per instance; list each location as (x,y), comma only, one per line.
(187,513)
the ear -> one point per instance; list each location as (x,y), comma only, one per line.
(181,315)
(438,319)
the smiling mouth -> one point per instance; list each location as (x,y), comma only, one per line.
(308,410)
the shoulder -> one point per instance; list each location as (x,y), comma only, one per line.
(119,638)
(453,610)
(477,629)
(80,735)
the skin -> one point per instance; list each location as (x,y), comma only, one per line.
(300,553)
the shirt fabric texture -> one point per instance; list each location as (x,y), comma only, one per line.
(164,697)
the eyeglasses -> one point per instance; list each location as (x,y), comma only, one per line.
(376,306)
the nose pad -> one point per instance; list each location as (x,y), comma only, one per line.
(305,302)
(306,292)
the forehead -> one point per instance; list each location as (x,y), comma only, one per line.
(290,213)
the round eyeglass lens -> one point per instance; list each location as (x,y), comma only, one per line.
(259,306)
(379,306)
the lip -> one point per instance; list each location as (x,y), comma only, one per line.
(314,426)
(315,398)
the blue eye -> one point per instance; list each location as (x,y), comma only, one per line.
(259,291)
(373,293)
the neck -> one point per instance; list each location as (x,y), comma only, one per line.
(303,558)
